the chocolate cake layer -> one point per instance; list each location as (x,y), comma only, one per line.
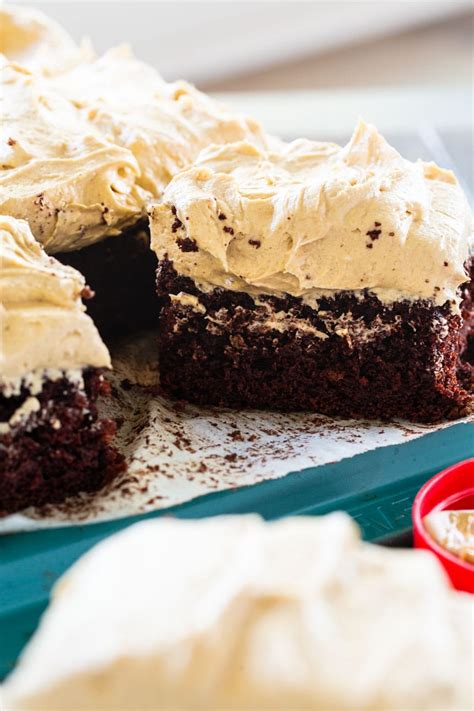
(121,272)
(61,449)
(354,356)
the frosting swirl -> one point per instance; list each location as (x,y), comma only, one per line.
(57,171)
(164,125)
(37,42)
(310,218)
(43,321)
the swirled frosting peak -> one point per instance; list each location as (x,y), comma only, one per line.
(37,42)
(309,218)
(164,125)
(56,170)
(42,318)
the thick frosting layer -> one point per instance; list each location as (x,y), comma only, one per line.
(83,152)
(37,42)
(164,125)
(238,613)
(57,171)
(44,327)
(310,217)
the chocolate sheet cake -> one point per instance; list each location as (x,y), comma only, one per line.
(89,142)
(316,277)
(52,360)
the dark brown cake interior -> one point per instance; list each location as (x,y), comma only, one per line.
(42,462)
(121,272)
(409,368)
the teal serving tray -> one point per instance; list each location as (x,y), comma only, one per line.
(377,488)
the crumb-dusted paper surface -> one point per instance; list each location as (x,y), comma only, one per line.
(177,452)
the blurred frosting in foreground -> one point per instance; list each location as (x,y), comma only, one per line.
(237,613)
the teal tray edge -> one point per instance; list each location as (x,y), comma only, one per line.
(377,488)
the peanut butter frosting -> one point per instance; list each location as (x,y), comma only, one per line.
(83,152)
(37,42)
(454,531)
(236,613)
(309,219)
(164,125)
(57,171)
(44,327)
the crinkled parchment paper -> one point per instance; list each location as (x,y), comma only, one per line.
(177,452)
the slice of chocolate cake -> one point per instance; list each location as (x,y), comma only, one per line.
(316,278)
(52,442)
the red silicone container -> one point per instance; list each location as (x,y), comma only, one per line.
(453,488)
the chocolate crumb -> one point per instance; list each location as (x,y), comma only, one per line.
(228,229)
(255,243)
(186,244)
(221,216)
(87,293)
(374,234)
(11,142)
(377,224)
(119,422)
(446,264)
(176,225)
(391,234)
(369,246)
(173,210)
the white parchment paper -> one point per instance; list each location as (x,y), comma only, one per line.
(177,452)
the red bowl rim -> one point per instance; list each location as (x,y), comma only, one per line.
(420,529)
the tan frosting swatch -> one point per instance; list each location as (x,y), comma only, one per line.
(312,218)
(37,42)
(83,153)
(42,318)
(165,125)
(454,531)
(233,612)
(57,171)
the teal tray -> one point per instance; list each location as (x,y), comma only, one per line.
(376,488)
